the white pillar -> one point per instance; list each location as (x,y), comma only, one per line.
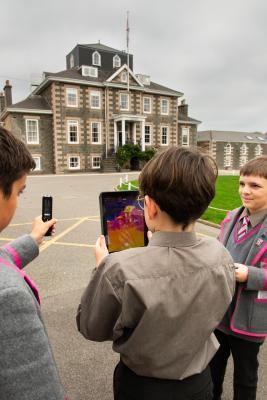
(115,136)
(143,136)
(123,131)
(134,132)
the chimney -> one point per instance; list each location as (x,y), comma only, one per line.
(2,102)
(183,108)
(8,94)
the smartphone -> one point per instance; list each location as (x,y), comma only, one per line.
(47,210)
(122,220)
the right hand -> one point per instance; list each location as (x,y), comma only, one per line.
(101,250)
(39,228)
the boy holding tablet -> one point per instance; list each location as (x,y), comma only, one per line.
(160,304)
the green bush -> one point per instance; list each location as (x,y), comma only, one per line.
(128,151)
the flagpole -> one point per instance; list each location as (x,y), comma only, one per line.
(127,44)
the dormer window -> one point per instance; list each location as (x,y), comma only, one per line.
(89,71)
(96,58)
(116,61)
(71,61)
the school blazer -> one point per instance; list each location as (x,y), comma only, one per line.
(250,312)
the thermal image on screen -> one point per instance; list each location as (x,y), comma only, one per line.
(125,223)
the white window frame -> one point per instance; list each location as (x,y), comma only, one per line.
(116,61)
(99,132)
(243,149)
(95,95)
(147,111)
(121,102)
(89,71)
(258,151)
(228,149)
(78,162)
(150,129)
(185,136)
(72,92)
(30,140)
(167,135)
(37,160)
(162,106)
(72,122)
(96,58)
(243,159)
(227,159)
(92,162)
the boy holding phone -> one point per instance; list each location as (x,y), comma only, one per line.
(160,304)
(27,366)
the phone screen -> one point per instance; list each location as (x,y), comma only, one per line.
(123,220)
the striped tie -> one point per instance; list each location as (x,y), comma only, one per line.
(244,228)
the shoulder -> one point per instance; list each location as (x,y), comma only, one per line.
(214,249)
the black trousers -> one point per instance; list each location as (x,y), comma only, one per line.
(245,358)
(129,386)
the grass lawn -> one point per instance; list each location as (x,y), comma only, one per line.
(226,198)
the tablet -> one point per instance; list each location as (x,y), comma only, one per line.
(122,220)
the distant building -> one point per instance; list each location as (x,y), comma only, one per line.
(77,118)
(230,149)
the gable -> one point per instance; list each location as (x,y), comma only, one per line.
(121,77)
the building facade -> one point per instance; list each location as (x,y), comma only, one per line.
(230,149)
(75,120)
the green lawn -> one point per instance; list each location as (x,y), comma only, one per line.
(226,197)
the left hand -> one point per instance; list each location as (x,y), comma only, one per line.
(101,250)
(241,272)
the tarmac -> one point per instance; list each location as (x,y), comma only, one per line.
(62,272)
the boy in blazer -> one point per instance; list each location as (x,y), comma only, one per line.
(244,326)
(27,366)
(160,304)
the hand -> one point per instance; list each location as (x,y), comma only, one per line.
(241,272)
(39,228)
(149,235)
(101,250)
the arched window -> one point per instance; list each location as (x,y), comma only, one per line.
(258,150)
(96,58)
(116,61)
(124,76)
(243,149)
(228,149)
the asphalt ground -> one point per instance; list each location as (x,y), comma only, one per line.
(62,271)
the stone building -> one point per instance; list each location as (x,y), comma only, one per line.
(230,149)
(77,118)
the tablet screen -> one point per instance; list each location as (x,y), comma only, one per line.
(123,221)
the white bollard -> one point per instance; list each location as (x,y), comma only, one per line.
(126,179)
(129,186)
(120,182)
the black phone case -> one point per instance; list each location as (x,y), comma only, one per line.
(47,211)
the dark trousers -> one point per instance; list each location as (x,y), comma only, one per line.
(129,386)
(245,358)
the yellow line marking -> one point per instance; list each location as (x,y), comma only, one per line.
(73,244)
(90,218)
(55,238)
(7,239)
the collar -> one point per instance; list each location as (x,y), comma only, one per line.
(254,219)
(173,239)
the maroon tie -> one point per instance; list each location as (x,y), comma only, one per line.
(244,227)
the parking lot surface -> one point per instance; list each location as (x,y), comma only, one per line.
(62,271)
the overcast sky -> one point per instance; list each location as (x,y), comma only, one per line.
(214,51)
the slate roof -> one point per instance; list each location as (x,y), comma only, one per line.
(100,46)
(185,118)
(232,136)
(32,102)
(102,77)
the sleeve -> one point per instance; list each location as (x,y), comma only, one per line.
(21,251)
(99,309)
(27,366)
(257,278)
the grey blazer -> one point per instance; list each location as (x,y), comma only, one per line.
(250,310)
(27,366)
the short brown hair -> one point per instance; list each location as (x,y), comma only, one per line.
(181,181)
(257,167)
(15,160)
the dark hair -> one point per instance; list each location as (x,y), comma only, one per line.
(15,160)
(181,181)
(257,166)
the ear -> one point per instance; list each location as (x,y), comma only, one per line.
(151,206)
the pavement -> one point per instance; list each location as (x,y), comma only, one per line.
(62,271)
